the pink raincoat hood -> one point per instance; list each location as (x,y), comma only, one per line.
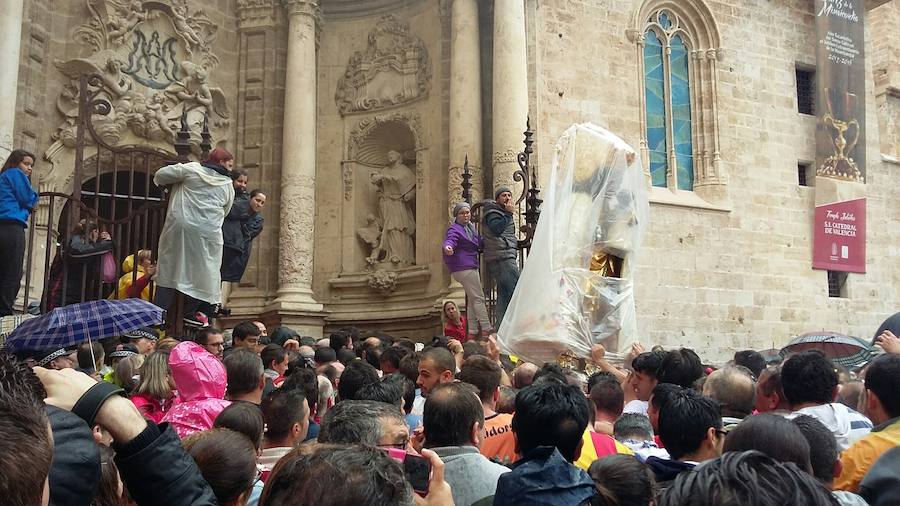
(201,381)
(198,374)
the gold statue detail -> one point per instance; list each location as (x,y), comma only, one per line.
(841,165)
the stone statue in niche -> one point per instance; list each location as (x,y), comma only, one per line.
(396,185)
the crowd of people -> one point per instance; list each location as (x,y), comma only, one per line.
(205,244)
(241,417)
(244,417)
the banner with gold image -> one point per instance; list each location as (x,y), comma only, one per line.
(841,90)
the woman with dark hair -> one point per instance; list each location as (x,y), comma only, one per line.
(773,435)
(190,245)
(109,491)
(79,266)
(227,461)
(622,480)
(244,417)
(17,200)
(242,225)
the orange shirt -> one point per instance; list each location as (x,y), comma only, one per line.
(499,441)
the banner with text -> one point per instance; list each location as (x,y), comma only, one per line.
(841,90)
(839,236)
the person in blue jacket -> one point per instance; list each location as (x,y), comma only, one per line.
(17,200)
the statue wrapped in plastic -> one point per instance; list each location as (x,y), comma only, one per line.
(577,286)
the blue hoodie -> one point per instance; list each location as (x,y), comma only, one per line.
(17,197)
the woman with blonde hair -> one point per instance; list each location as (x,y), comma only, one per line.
(454,322)
(155,391)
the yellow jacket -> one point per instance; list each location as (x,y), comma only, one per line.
(125,281)
(859,458)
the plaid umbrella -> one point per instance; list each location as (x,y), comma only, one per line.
(77,323)
(844,350)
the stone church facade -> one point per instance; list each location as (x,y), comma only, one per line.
(356,117)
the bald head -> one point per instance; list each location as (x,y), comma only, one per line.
(523,375)
(734,388)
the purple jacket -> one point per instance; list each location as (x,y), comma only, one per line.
(465,250)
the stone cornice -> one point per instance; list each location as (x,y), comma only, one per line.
(256,13)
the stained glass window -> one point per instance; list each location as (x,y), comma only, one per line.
(655,91)
(681,114)
(667,90)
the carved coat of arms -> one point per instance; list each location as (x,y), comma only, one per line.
(153,58)
(392,70)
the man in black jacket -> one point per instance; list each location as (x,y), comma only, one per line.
(501,248)
(151,461)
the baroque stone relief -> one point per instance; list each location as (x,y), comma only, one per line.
(154,59)
(392,70)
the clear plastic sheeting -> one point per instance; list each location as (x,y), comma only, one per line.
(577,286)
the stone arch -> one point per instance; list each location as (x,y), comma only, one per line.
(370,139)
(701,33)
(696,18)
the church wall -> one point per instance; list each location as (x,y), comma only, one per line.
(724,280)
(344,196)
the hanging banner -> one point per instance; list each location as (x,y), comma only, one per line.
(839,240)
(841,90)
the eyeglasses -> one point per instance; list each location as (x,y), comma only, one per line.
(400,446)
(721,433)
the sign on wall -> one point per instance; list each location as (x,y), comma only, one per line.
(840,236)
(839,233)
(841,90)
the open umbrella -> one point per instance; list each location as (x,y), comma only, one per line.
(844,350)
(77,323)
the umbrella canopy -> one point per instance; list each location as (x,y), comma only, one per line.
(844,350)
(76,323)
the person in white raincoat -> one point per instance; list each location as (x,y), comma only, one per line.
(190,246)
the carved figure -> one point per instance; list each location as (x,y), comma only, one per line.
(194,88)
(183,27)
(119,26)
(396,193)
(371,236)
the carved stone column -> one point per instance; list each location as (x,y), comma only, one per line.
(10,40)
(262,56)
(465,99)
(510,88)
(295,302)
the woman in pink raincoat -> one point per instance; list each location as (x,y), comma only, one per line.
(200,378)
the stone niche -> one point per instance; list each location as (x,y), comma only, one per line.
(381,220)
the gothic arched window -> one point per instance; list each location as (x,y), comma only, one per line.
(667,88)
(678,49)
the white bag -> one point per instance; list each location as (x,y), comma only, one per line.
(596,203)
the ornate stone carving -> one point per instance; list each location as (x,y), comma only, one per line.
(256,13)
(295,259)
(506,156)
(392,70)
(383,282)
(154,59)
